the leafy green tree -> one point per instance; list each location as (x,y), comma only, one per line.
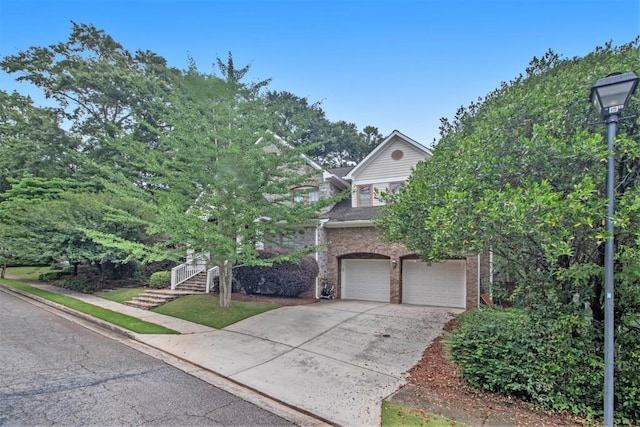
(104,92)
(112,102)
(297,121)
(49,219)
(331,144)
(233,76)
(227,180)
(369,139)
(522,173)
(32,141)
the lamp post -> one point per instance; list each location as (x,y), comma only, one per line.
(610,96)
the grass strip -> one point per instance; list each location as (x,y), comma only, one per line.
(397,414)
(205,310)
(28,272)
(121,295)
(127,322)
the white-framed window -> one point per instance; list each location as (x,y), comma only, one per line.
(313,196)
(364,195)
(394,187)
(307,195)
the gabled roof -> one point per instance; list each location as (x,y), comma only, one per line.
(327,174)
(376,152)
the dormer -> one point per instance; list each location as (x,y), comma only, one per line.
(385,169)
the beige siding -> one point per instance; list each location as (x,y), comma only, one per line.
(379,188)
(383,166)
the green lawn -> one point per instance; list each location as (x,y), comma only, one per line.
(205,310)
(120,295)
(28,273)
(122,320)
(396,414)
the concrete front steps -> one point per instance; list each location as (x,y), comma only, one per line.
(152,298)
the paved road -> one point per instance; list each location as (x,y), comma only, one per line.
(53,371)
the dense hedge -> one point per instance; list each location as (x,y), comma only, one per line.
(78,285)
(285,279)
(160,279)
(557,363)
(50,276)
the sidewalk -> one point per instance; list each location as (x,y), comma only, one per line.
(336,361)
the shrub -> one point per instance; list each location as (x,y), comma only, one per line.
(50,276)
(555,362)
(77,285)
(160,279)
(285,279)
(156,266)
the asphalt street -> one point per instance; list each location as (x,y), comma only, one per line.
(55,372)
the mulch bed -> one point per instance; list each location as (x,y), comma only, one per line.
(435,385)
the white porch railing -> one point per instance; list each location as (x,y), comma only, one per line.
(212,273)
(186,271)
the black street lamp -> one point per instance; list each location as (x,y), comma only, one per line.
(610,96)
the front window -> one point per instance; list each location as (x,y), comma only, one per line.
(364,195)
(313,196)
(394,187)
(298,197)
(306,196)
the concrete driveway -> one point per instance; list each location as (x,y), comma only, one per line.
(335,359)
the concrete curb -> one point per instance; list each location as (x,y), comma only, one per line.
(102,323)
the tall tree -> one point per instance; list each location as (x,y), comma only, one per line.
(32,141)
(521,173)
(333,144)
(233,76)
(227,180)
(47,219)
(102,90)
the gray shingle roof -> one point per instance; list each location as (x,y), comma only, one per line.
(343,211)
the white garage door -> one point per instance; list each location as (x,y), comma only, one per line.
(366,279)
(440,284)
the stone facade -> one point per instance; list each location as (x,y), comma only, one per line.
(364,242)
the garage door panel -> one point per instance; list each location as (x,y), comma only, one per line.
(440,284)
(366,279)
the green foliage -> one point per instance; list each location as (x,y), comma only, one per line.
(396,414)
(303,124)
(32,141)
(521,173)
(160,279)
(120,295)
(51,276)
(240,181)
(77,285)
(285,278)
(554,362)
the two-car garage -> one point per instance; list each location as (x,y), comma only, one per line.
(438,284)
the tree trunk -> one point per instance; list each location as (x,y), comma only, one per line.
(4,269)
(226,275)
(100,267)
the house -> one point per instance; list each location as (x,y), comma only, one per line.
(360,266)
(350,254)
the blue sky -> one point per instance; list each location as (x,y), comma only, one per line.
(394,64)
